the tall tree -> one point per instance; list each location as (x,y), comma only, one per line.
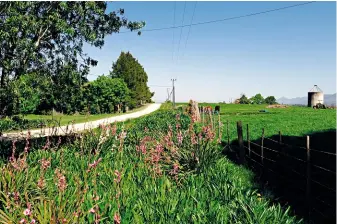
(104,93)
(257,99)
(36,36)
(243,99)
(270,100)
(132,72)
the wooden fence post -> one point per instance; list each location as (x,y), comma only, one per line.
(228,133)
(308,190)
(248,141)
(262,140)
(219,123)
(240,139)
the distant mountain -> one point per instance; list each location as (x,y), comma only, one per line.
(329,100)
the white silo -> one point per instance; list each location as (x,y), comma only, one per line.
(315,96)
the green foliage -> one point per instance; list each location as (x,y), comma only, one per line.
(133,73)
(103,174)
(103,94)
(33,91)
(257,99)
(243,99)
(43,37)
(270,100)
(20,124)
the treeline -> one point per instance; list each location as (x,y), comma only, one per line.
(69,92)
(43,66)
(257,99)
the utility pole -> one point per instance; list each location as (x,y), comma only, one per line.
(174,94)
(168,94)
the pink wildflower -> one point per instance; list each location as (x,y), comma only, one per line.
(27,143)
(47,145)
(159,148)
(59,142)
(175,169)
(118,176)
(62,183)
(12,158)
(92,210)
(194,139)
(142,148)
(45,163)
(113,130)
(22,221)
(180,138)
(155,157)
(117,218)
(41,183)
(33,221)
(95,163)
(27,212)
(75,214)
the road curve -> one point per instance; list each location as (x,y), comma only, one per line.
(63,130)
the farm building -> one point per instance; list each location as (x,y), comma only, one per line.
(315,96)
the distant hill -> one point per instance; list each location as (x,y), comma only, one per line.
(329,100)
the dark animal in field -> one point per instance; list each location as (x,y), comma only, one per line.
(217,109)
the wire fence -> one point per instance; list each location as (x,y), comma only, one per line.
(249,151)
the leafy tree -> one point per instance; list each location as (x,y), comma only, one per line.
(133,73)
(243,99)
(67,89)
(270,100)
(33,91)
(38,36)
(104,93)
(257,99)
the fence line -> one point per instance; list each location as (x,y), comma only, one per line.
(262,157)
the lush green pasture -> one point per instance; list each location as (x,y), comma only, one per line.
(291,121)
(155,174)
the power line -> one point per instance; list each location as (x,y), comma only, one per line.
(189,29)
(181,29)
(225,19)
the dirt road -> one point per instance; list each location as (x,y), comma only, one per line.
(63,130)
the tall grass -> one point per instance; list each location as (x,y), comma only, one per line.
(162,169)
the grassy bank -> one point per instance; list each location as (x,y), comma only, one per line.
(162,169)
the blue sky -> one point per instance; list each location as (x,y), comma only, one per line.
(282,53)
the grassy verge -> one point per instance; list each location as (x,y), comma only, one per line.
(163,169)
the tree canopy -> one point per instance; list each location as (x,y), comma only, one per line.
(104,93)
(270,100)
(134,75)
(43,37)
(243,99)
(257,99)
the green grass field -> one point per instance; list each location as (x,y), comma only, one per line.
(291,121)
(78,118)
